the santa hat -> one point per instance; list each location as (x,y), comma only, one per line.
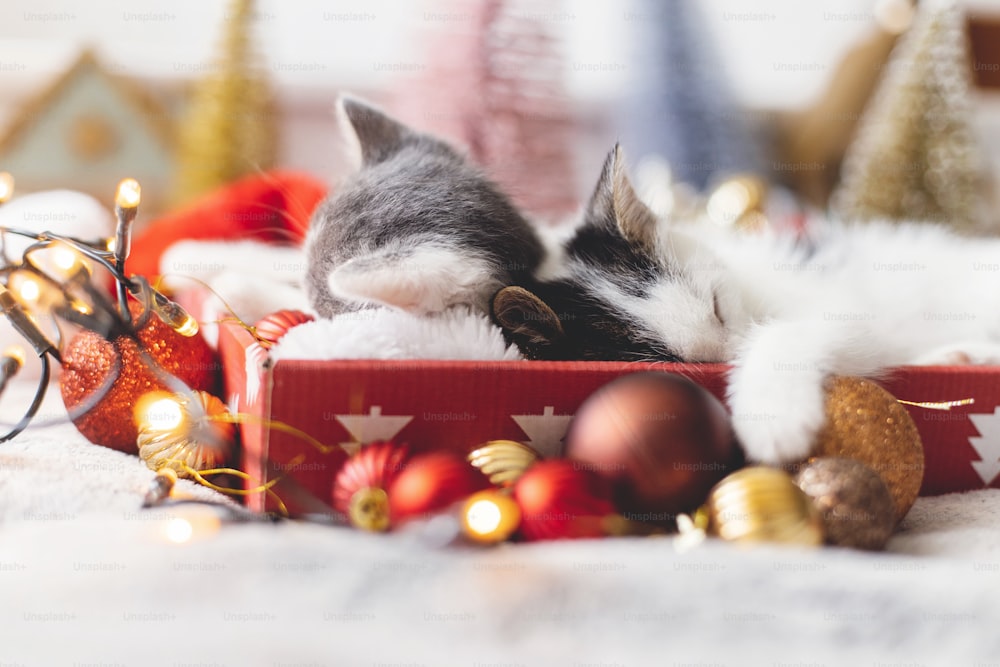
(273,206)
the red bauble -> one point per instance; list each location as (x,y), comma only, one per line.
(88,359)
(561,499)
(272,327)
(430,483)
(359,489)
(661,439)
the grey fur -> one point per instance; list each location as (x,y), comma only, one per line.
(413,191)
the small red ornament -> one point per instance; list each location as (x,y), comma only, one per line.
(661,439)
(88,359)
(272,327)
(359,489)
(561,499)
(430,483)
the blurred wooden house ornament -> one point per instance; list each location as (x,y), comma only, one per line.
(86,129)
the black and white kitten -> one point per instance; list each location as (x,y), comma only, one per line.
(416,227)
(786,313)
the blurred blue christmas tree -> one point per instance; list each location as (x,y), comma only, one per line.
(678,105)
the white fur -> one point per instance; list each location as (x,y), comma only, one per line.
(384,333)
(872,296)
(251,277)
(424,280)
(64,212)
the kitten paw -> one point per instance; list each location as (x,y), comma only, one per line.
(777,421)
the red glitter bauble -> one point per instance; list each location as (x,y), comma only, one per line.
(88,359)
(359,489)
(431,482)
(272,327)
(562,499)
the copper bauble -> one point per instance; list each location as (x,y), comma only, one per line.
(761,504)
(359,489)
(662,440)
(272,327)
(88,359)
(430,483)
(866,423)
(854,503)
(560,499)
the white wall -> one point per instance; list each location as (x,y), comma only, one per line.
(313,47)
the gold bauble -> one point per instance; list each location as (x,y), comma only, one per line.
(866,423)
(762,504)
(369,509)
(196,438)
(503,461)
(854,503)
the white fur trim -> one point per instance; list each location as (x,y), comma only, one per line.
(382,333)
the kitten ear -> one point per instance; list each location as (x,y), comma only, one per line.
(615,204)
(422,280)
(527,321)
(376,135)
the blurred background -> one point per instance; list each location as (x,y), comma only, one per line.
(187,94)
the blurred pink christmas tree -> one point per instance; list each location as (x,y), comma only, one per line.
(491,80)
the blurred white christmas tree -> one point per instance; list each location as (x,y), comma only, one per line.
(492,80)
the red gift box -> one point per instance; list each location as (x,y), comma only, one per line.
(461,404)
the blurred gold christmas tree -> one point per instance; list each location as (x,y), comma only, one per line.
(915,156)
(229,127)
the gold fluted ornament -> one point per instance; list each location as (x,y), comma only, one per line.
(503,461)
(229,127)
(762,504)
(183,433)
(916,156)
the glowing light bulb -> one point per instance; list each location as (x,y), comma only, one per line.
(174,315)
(179,530)
(6,186)
(483,516)
(129,193)
(110,244)
(489,517)
(28,290)
(160,411)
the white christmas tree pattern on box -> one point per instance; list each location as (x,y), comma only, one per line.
(987,445)
(372,427)
(545,431)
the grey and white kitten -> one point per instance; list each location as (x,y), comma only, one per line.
(416,227)
(852,299)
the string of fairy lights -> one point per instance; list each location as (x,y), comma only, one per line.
(52,283)
(51,288)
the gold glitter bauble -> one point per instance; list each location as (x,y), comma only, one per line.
(866,423)
(196,439)
(761,504)
(88,359)
(854,503)
(503,461)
